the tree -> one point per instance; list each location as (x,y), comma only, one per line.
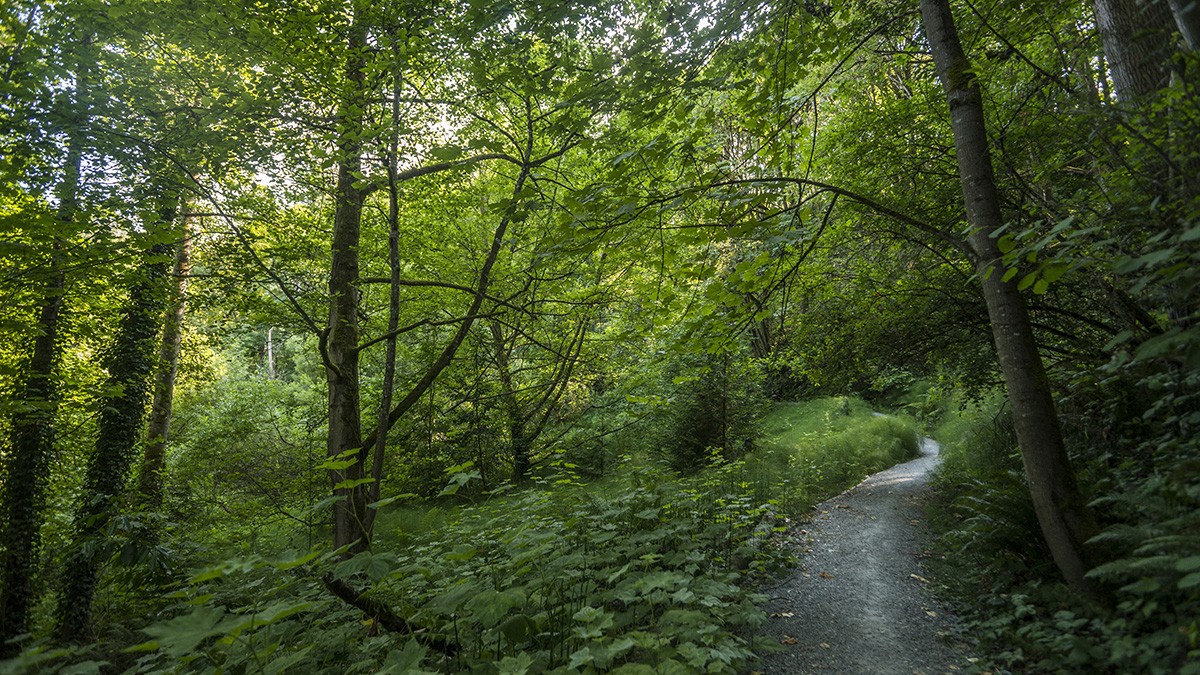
(150,478)
(1067,523)
(130,363)
(1137,44)
(31,440)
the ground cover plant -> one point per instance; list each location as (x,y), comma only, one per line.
(646,571)
(1003,584)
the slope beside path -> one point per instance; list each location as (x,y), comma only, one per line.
(858,603)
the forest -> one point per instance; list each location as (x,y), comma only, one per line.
(509,336)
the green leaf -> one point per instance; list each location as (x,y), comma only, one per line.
(351,483)
(181,635)
(278,665)
(517,629)
(1189,564)
(405,661)
(1054,271)
(1027,281)
(516,665)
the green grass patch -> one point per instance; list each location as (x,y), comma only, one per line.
(824,446)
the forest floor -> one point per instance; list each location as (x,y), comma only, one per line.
(858,603)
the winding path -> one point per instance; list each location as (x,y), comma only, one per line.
(858,603)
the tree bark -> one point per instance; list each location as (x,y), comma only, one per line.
(344,440)
(158,428)
(1136,36)
(130,364)
(389,359)
(518,441)
(1062,512)
(1187,18)
(32,427)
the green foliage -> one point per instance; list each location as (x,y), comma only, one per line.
(1025,619)
(825,445)
(717,403)
(645,569)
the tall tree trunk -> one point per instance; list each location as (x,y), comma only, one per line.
(389,359)
(1136,35)
(130,365)
(158,428)
(32,427)
(1062,512)
(344,442)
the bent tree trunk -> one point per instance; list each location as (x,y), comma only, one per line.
(1062,512)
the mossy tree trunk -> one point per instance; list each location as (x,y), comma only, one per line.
(344,440)
(32,426)
(130,365)
(150,478)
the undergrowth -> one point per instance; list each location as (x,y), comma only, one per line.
(996,570)
(645,572)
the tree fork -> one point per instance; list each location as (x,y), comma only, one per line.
(1061,509)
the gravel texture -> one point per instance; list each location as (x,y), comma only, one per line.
(858,602)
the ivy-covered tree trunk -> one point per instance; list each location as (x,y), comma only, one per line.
(150,479)
(130,364)
(1062,512)
(344,441)
(32,426)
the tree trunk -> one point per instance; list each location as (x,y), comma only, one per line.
(1062,512)
(32,426)
(1187,18)
(150,479)
(344,442)
(518,441)
(130,364)
(389,359)
(1136,35)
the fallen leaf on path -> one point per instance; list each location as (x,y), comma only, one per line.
(914,521)
(788,640)
(825,575)
(841,506)
(919,578)
(825,645)
(931,612)
(783,615)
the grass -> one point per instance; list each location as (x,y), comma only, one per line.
(827,445)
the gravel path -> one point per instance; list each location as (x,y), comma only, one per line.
(858,603)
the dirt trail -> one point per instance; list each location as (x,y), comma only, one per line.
(858,603)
